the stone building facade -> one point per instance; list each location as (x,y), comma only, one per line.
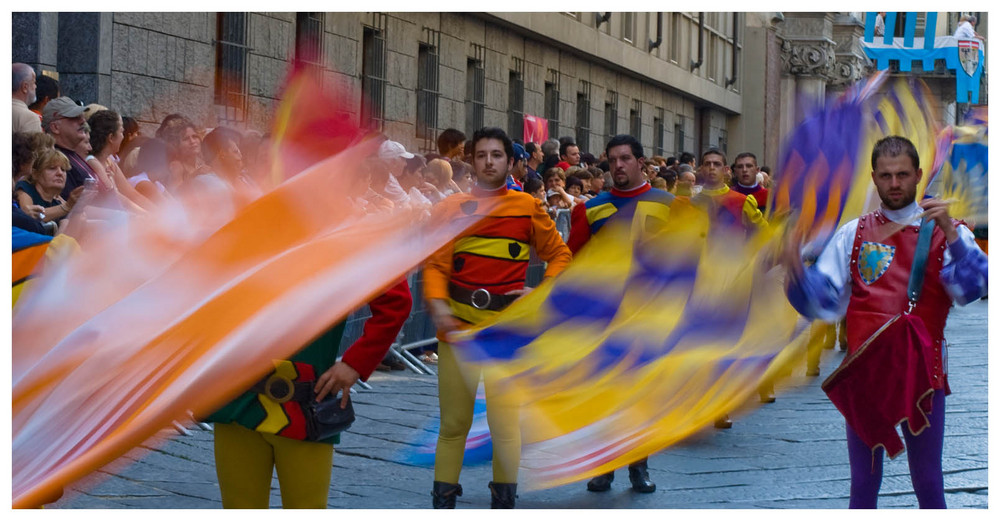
(630,70)
(681,81)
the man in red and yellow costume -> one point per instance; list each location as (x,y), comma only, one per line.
(469,280)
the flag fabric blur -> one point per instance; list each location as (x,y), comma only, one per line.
(182,309)
(478,444)
(644,340)
(824,175)
(962,179)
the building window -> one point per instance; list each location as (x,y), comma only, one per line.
(475,90)
(658,132)
(231,65)
(628,27)
(552,102)
(610,114)
(373,74)
(675,37)
(679,137)
(583,116)
(309,41)
(515,100)
(427,88)
(723,141)
(635,119)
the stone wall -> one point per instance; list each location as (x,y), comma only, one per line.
(148,65)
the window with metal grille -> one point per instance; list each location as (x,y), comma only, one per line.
(635,119)
(427,88)
(658,132)
(679,137)
(583,116)
(231,64)
(475,91)
(309,41)
(373,82)
(552,102)
(610,114)
(628,27)
(515,100)
(723,141)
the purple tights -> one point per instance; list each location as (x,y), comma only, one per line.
(923,453)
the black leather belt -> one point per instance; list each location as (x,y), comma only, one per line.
(479,298)
(281,389)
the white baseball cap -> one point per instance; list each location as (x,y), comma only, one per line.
(392,150)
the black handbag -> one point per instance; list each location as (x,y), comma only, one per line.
(326,418)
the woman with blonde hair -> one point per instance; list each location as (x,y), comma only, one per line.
(44,184)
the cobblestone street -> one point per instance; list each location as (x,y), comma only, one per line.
(789,454)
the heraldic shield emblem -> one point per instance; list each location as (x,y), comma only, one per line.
(873,260)
(968,54)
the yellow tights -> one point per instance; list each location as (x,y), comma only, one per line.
(245,460)
(457,383)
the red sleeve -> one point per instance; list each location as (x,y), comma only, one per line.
(579,228)
(389,312)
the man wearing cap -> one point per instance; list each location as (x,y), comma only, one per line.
(470,280)
(515,179)
(22,119)
(63,120)
(393,157)
(631,193)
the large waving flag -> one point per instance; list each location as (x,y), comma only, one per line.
(185,308)
(824,176)
(638,344)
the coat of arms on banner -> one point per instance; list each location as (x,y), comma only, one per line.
(968,54)
(873,260)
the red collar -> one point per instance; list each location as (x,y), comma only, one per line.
(481,192)
(641,189)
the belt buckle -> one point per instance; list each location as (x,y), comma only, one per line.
(477,296)
(279,388)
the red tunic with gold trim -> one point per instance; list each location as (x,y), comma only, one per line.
(891,377)
(880,274)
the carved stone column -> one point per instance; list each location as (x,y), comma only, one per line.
(808,56)
(851,62)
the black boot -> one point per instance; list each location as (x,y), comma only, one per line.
(601,483)
(445,494)
(503,494)
(638,474)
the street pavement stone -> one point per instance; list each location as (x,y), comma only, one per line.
(790,454)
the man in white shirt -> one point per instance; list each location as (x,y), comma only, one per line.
(965,30)
(22,118)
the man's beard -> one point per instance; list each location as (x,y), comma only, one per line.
(906,201)
(621,184)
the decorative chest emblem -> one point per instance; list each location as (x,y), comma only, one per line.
(873,260)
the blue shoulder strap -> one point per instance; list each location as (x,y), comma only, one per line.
(919,262)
